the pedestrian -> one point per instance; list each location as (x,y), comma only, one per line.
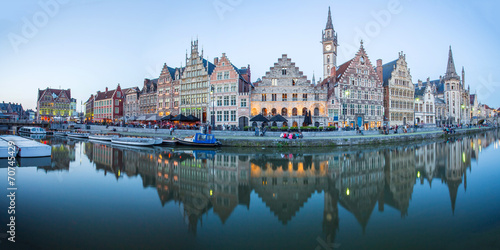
(256,131)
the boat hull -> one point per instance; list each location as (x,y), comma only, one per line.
(79,136)
(134,141)
(102,138)
(197,144)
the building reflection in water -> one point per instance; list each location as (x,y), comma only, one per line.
(63,152)
(357,179)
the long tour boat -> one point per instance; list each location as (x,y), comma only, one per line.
(32,130)
(104,137)
(134,141)
(79,135)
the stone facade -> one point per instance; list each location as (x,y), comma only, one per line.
(131,107)
(398,91)
(89,109)
(425,108)
(357,93)
(53,103)
(285,90)
(148,97)
(228,87)
(194,86)
(168,91)
(108,105)
(452,99)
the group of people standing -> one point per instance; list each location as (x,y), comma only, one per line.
(290,135)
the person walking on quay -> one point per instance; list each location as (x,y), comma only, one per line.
(256,131)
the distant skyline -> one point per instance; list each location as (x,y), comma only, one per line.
(88,45)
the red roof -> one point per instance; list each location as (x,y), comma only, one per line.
(55,91)
(105,95)
(342,69)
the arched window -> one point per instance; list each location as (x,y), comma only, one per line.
(264,111)
(316,111)
(304,111)
(273,112)
(284,112)
(295,124)
(294,112)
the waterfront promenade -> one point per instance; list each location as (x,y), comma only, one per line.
(311,139)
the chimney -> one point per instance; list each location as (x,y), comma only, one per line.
(216,60)
(106,89)
(380,73)
(419,83)
(333,73)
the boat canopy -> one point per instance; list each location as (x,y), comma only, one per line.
(204,138)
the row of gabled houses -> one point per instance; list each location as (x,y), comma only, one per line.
(356,93)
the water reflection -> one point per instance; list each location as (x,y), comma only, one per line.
(356,179)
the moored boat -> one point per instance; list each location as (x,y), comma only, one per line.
(60,133)
(27,147)
(172,142)
(158,140)
(7,150)
(200,140)
(102,137)
(32,130)
(80,135)
(134,141)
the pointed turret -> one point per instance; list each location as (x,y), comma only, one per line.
(451,73)
(463,77)
(313,80)
(329,23)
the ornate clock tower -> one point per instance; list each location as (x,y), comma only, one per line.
(329,47)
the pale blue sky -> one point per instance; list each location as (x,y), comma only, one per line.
(87,45)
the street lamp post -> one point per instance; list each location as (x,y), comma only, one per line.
(346,94)
(213,106)
(414,112)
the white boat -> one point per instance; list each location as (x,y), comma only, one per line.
(32,130)
(27,147)
(133,141)
(158,140)
(78,135)
(102,137)
(33,136)
(7,150)
(60,133)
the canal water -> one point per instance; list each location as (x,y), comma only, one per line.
(441,194)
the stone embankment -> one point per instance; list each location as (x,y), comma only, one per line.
(311,139)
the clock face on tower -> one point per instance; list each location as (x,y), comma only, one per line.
(328,47)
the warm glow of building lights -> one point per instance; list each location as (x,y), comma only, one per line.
(418,174)
(347,192)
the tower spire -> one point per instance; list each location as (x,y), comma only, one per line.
(314,80)
(463,77)
(329,23)
(451,73)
